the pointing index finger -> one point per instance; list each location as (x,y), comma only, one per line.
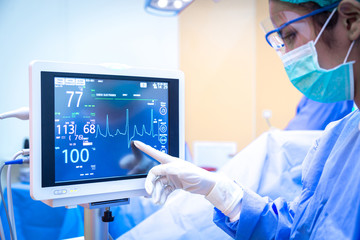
(159,156)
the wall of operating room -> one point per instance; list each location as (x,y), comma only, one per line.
(232,75)
(89,31)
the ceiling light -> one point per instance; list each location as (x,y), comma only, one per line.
(162,3)
(166,7)
(178,4)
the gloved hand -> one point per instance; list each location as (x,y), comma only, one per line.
(174,173)
(137,162)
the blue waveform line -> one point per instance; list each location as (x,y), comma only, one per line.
(127,129)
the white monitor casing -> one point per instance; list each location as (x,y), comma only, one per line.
(86,192)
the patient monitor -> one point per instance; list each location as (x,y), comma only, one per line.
(83,119)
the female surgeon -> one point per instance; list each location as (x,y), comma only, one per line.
(317,42)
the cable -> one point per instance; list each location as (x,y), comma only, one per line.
(2,234)
(10,211)
(4,204)
(23,114)
(9,192)
(24,152)
(10,200)
(20,113)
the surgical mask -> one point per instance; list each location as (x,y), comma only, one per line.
(318,84)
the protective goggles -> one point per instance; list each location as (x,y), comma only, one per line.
(295,26)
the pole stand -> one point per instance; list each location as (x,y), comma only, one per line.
(97,217)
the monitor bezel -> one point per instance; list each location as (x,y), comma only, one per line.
(84,190)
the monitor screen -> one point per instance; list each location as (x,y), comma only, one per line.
(90,120)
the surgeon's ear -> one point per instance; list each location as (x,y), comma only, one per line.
(349,11)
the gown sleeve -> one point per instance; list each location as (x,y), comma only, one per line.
(260,218)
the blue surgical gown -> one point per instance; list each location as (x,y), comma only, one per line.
(329,204)
(312,115)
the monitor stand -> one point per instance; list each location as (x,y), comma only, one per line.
(97,217)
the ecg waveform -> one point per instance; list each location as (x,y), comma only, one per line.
(127,129)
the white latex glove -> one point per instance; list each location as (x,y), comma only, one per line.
(174,173)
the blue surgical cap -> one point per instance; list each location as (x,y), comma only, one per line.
(322,3)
